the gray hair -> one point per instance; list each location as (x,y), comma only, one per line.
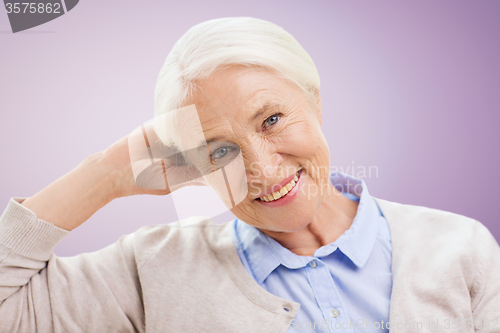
(228,41)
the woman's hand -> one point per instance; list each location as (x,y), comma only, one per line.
(141,164)
(117,160)
(102,177)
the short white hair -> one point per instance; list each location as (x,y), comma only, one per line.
(216,43)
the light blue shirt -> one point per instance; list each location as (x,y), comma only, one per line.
(346,285)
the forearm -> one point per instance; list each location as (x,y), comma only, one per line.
(75,197)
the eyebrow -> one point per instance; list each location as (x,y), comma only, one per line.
(260,111)
(263,109)
(202,144)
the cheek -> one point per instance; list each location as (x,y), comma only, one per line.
(304,140)
(229,182)
(253,148)
(312,151)
(248,212)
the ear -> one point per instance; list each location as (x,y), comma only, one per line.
(317,104)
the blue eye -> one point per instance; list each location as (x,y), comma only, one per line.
(220,152)
(272,120)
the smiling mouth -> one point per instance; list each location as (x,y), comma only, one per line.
(282,192)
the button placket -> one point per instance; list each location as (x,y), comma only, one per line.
(327,296)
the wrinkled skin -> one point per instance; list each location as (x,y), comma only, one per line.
(275,144)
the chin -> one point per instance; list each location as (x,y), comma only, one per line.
(293,224)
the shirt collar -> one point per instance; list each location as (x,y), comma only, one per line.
(356,243)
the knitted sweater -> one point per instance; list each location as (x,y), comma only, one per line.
(162,278)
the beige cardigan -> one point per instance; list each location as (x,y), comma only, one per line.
(446,269)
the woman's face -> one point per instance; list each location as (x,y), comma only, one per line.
(278,132)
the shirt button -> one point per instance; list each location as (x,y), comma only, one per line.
(313,263)
(334,313)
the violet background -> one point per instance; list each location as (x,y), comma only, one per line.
(409,87)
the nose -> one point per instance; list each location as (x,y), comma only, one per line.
(262,161)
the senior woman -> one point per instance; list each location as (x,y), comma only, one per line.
(308,250)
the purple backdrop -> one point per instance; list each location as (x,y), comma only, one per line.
(410,88)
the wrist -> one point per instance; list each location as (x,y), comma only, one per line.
(75,197)
(104,174)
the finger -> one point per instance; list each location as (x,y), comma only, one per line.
(153,177)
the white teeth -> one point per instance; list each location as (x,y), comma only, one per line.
(282,191)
